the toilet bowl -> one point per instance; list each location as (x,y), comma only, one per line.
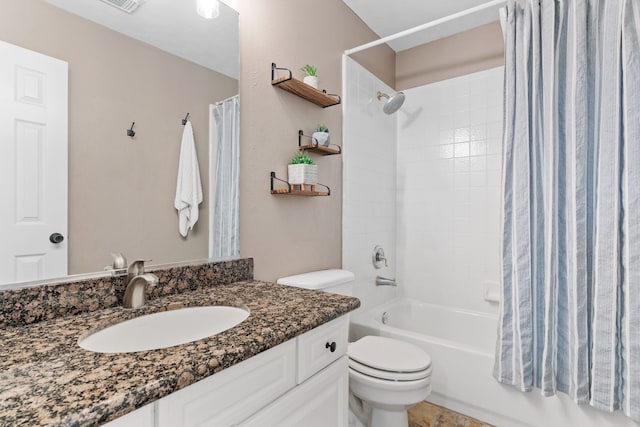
(390,376)
(386,375)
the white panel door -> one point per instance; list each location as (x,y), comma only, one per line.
(33,164)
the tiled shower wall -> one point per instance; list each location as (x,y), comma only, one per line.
(369,183)
(448,189)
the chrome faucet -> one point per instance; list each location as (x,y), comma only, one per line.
(383,281)
(136,293)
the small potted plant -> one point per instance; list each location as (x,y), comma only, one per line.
(302,171)
(321,135)
(311,78)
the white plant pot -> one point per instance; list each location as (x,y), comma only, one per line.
(322,138)
(303,174)
(311,81)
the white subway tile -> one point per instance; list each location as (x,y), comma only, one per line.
(461,164)
(478,148)
(446,151)
(477,132)
(461,149)
(461,135)
(477,163)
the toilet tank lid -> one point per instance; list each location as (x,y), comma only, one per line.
(318,279)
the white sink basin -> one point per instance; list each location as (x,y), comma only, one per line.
(164,329)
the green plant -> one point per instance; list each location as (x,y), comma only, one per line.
(310,70)
(321,128)
(301,158)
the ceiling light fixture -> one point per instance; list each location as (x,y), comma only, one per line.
(208,9)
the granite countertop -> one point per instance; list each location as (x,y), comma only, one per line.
(47,379)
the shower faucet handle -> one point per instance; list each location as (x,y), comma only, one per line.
(378,258)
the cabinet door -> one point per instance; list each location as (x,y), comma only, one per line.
(142,417)
(229,396)
(321,401)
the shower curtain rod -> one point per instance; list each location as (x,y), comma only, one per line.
(227,99)
(433,23)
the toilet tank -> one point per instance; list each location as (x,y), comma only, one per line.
(334,280)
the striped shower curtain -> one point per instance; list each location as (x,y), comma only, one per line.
(570,314)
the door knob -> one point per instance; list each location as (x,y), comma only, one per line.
(56,238)
(331,347)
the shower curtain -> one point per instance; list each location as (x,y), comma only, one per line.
(224,158)
(570,313)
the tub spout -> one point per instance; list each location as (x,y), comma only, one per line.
(383,281)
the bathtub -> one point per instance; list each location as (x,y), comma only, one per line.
(461,345)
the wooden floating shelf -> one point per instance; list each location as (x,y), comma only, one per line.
(321,149)
(300,192)
(303,90)
(315,147)
(293,190)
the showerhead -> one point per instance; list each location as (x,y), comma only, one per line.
(393,102)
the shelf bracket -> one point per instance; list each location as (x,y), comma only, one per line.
(273,176)
(334,95)
(301,134)
(274,67)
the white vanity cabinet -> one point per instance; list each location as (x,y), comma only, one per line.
(303,381)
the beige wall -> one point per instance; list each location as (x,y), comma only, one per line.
(287,234)
(121,190)
(475,50)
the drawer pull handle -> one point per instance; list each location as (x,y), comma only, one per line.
(331,346)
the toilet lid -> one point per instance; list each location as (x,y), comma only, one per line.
(388,375)
(388,354)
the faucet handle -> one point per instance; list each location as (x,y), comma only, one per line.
(378,258)
(137,267)
(119,261)
(151,278)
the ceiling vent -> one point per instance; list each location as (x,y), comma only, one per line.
(126,5)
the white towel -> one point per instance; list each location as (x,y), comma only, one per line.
(189,187)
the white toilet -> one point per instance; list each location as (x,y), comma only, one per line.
(388,375)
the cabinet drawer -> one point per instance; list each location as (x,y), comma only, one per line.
(316,348)
(227,397)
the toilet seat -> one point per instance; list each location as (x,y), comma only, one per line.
(388,375)
(389,359)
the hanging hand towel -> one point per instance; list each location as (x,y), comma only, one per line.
(189,187)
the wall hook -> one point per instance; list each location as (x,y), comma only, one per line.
(131,132)
(184,121)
